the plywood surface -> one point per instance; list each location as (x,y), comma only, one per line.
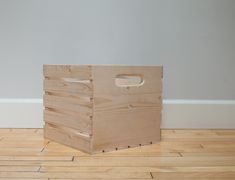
(126,116)
(122,128)
(202,154)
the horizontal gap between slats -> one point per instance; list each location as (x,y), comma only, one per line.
(66,112)
(70,79)
(82,97)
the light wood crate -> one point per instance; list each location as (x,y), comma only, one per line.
(99,108)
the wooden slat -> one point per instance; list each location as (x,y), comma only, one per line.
(80,99)
(67,137)
(25,163)
(200,139)
(209,153)
(22,150)
(195,175)
(110,103)
(60,86)
(19,144)
(105,175)
(36,158)
(81,123)
(102,179)
(57,103)
(132,162)
(70,71)
(218,144)
(90,169)
(48,153)
(19,168)
(156,161)
(6,178)
(198,135)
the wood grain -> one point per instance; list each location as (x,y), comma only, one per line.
(59,85)
(118,106)
(64,71)
(79,122)
(195,158)
(130,129)
(68,137)
(104,76)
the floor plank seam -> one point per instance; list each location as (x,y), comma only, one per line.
(39,169)
(45,146)
(201,154)
(42,149)
(202,146)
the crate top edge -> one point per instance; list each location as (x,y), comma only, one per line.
(99,65)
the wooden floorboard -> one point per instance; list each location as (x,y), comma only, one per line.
(182,154)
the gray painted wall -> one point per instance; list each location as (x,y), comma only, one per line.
(193,39)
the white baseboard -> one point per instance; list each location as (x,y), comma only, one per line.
(207,114)
(21,113)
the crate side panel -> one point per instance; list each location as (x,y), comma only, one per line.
(126,116)
(104,79)
(126,127)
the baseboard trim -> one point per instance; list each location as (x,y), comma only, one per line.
(207,114)
(177,113)
(21,113)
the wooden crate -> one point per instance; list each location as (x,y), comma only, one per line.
(99,108)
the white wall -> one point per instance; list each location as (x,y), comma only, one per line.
(193,39)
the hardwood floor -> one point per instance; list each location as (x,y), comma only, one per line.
(182,154)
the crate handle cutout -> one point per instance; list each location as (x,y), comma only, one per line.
(129,80)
